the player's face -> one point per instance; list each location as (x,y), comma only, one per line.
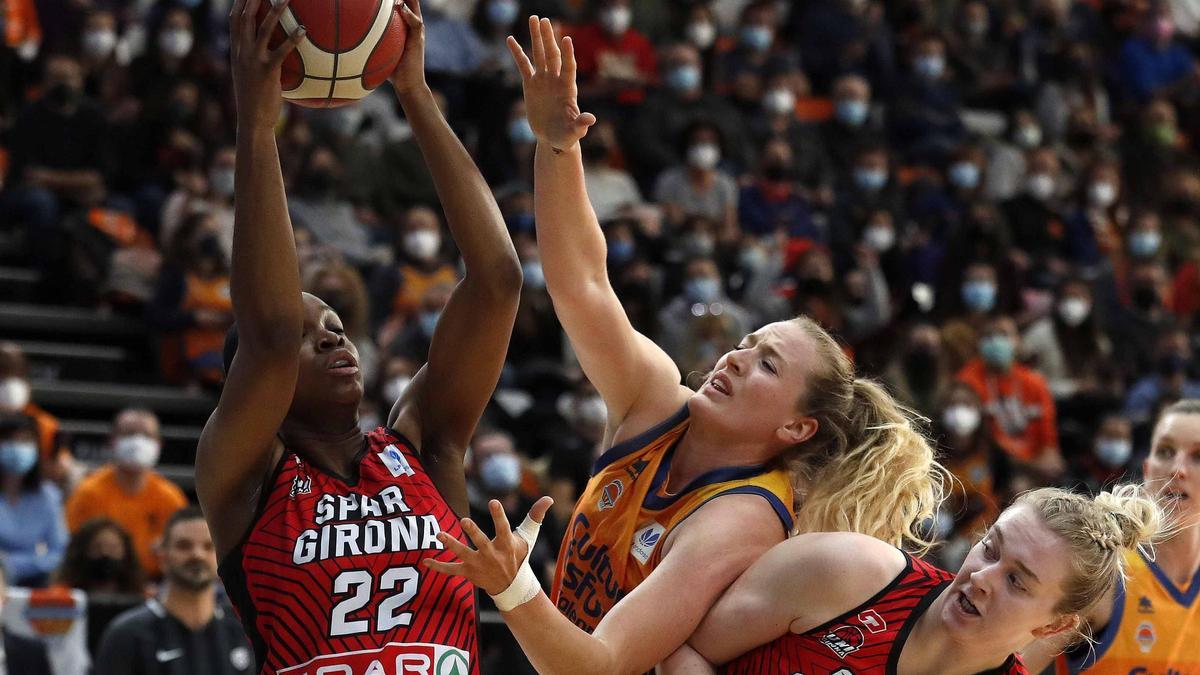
(188,556)
(1172,469)
(754,390)
(329,370)
(1005,593)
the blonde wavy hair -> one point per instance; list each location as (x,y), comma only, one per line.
(1098,530)
(868,468)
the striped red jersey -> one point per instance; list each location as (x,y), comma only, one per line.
(329,579)
(867,639)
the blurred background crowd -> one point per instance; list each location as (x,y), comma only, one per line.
(993,204)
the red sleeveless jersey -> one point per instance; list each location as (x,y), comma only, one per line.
(329,578)
(867,639)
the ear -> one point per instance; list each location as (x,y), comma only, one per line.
(1061,624)
(798,430)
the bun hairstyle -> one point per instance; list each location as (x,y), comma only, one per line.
(868,468)
(1098,531)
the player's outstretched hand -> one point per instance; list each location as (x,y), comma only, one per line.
(255,65)
(551,95)
(492,564)
(410,72)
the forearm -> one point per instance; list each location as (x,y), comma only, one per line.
(686,661)
(265,281)
(556,645)
(569,237)
(471,212)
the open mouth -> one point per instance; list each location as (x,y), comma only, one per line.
(721,383)
(966,605)
(343,365)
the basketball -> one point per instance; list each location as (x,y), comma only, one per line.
(351,47)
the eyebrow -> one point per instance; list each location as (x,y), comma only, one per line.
(1020,565)
(753,340)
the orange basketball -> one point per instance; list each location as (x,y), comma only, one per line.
(351,47)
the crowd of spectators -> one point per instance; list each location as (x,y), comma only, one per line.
(994,204)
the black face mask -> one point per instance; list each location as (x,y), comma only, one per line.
(320,182)
(776,172)
(1145,297)
(62,95)
(814,286)
(104,568)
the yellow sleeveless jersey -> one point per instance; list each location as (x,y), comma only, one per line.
(625,515)
(1154,628)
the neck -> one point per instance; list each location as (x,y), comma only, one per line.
(131,480)
(929,648)
(193,608)
(702,176)
(12,486)
(1179,556)
(700,451)
(332,444)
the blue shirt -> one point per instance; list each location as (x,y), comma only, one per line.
(1145,68)
(451,46)
(33,534)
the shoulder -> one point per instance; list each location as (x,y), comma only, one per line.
(49,493)
(166,488)
(844,554)
(132,621)
(1031,378)
(738,523)
(98,481)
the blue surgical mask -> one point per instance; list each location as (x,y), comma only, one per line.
(620,252)
(428,321)
(500,474)
(851,112)
(979,296)
(757,38)
(929,67)
(703,289)
(535,277)
(521,222)
(1144,243)
(18,457)
(870,180)
(683,78)
(520,132)
(502,12)
(997,351)
(964,175)
(1113,452)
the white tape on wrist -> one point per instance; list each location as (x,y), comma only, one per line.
(524,586)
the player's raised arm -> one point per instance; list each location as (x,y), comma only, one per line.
(467,351)
(234,454)
(625,366)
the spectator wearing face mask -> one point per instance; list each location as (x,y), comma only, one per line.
(1018,406)
(853,123)
(1037,215)
(537,335)
(1110,453)
(1137,324)
(671,109)
(841,36)
(128,489)
(1067,345)
(1098,216)
(924,119)
(611,190)
(977,464)
(981,62)
(701,323)
(100,558)
(216,200)
(15,398)
(978,295)
(919,375)
(1005,172)
(615,61)
(1173,377)
(699,186)
(319,204)
(191,305)
(422,265)
(414,339)
(104,76)
(1151,145)
(32,532)
(774,201)
(171,56)
(756,49)
(809,165)
(869,187)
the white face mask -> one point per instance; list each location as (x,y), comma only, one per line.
(961,419)
(1074,310)
(394,388)
(137,451)
(1029,137)
(616,20)
(701,34)
(422,244)
(98,44)
(704,155)
(221,180)
(879,238)
(14,394)
(780,101)
(1040,186)
(176,42)
(500,473)
(1102,194)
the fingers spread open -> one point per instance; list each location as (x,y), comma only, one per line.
(267,27)
(539,509)
(553,56)
(453,569)
(535,43)
(476,535)
(519,58)
(568,59)
(288,45)
(455,546)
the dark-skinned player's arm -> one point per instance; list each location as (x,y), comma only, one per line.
(235,451)
(442,406)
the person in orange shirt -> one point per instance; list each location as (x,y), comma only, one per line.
(1017,403)
(129,490)
(57,462)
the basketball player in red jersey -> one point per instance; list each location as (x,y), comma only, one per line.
(321,528)
(845,603)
